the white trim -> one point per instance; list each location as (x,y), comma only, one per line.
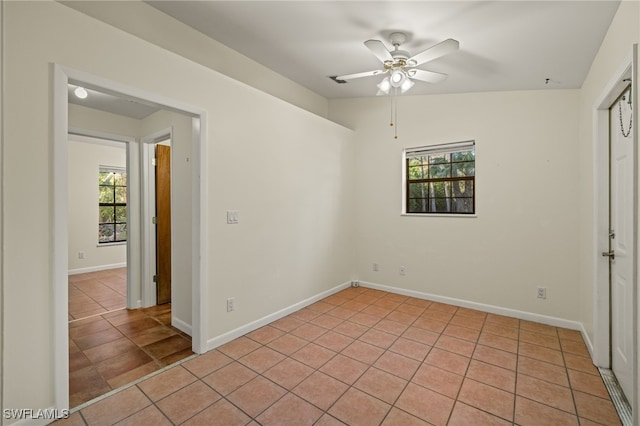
(147,145)
(115,243)
(132,168)
(446,147)
(181,325)
(529,316)
(60,255)
(438,148)
(97,268)
(200,229)
(473,216)
(600,225)
(254,325)
(62,75)
(97,137)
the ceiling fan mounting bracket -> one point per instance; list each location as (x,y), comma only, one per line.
(397,39)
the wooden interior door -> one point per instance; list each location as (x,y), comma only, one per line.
(163,224)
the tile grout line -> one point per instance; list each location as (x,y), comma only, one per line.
(130,385)
(371,364)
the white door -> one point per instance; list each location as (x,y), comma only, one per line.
(621,243)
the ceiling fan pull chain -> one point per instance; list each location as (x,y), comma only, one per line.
(628,132)
(391,111)
(395,119)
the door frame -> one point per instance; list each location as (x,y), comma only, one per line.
(601,347)
(147,145)
(62,75)
(133,189)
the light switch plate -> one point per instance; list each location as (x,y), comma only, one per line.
(232,217)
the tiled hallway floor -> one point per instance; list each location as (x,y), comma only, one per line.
(367,357)
(97,292)
(108,350)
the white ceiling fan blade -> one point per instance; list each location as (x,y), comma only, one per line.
(434,52)
(359,75)
(379,49)
(428,76)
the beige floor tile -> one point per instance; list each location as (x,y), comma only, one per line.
(356,408)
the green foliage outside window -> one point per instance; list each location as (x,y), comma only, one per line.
(441,180)
(112,205)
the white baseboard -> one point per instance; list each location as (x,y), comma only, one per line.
(529,316)
(588,342)
(247,328)
(181,325)
(97,268)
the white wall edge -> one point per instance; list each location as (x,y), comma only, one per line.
(254,325)
(97,268)
(181,325)
(587,341)
(523,315)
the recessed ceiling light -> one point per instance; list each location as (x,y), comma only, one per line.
(81,92)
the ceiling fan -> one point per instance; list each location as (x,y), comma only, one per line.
(399,66)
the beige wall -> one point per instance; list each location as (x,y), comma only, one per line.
(85,159)
(525,232)
(81,117)
(286,170)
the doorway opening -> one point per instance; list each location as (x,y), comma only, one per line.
(192,296)
(615,343)
(98,206)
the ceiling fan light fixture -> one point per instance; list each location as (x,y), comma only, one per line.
(398,77)
(385,85)
(80,92)
(406,85)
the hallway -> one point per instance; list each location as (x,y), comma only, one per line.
(109,345)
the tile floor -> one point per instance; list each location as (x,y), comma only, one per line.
(367,357)
(109,350)
(97,292)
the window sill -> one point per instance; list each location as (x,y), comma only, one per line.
(475,215)
(119,243)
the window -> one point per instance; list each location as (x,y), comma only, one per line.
(112,205)
(440,179)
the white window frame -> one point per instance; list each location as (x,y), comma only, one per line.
(445,147)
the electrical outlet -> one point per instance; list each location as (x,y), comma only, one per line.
(375,267)
(402,270)
(231,304)
(542,292)
(80,255)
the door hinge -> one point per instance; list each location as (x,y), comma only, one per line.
(612,234)
(154,220)
(154,162)
(155,278)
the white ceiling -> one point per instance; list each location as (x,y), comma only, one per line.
(504,45)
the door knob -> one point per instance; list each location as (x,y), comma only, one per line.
(611,254)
